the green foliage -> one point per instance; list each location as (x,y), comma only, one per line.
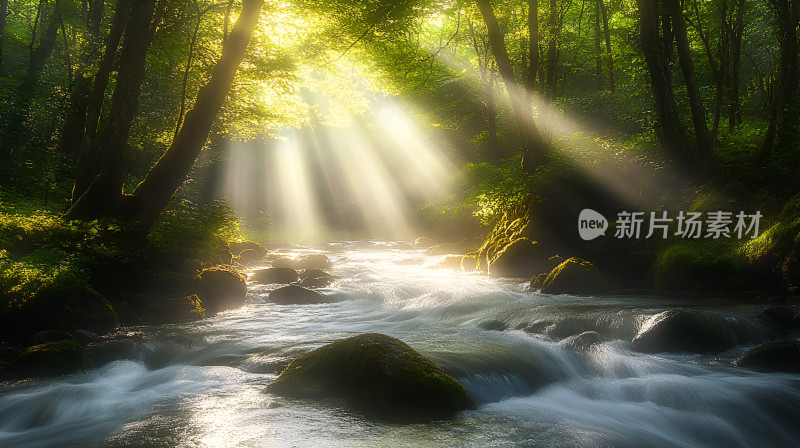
(490,190)
(188,224)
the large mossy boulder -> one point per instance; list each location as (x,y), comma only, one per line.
(221,289)
(778,356)
(275,275)
(377,373)
(696,265)
(50,359)
(682,330)
(167,310)
(520,258)
(296,295)
(573,276)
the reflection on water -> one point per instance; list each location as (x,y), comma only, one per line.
(200,384)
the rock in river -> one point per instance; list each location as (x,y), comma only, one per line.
(296,295)
(275,275)
(377,373)
(778,356)
(682,330)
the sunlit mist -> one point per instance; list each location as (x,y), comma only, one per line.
(361,180)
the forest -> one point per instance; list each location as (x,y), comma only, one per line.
(202,196)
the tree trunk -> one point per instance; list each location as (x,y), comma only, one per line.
(188,68)
(734,107)
(657,54)
(612,84)
(533,47)
(75,120)
(147,202)
(104,192)
(533,147)
(3,12)
(495,151)
(16,135)
(552,52)
(782,117)
(598,52)
(705,143)
(90,155)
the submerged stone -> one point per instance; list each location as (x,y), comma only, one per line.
(296,295)
(51,359)
(275,275)
(681,330)
(378,374)
(778,356)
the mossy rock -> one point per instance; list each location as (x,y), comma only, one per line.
(51,359)
(174,309)
(682,330)
(378,374)
(784,316)
(573,276)
(238,247)
(221,289)
(520,258)
(537,281)
(314,278)
(248,256)
(778,356)
(582,341)
(312,261)
(297,295)
(275,275)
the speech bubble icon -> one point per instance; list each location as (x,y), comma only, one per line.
(591,224)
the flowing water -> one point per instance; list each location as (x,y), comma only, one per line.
(201,384)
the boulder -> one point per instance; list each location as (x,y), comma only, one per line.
(682,330)
(314,278)
(520,258)
(378,374)
(778,356)
(238,247)
(221,289)
(782,315)
(275,275)
(45,336)
(173,309)
(283,262)
(249,256)
(573,276)
(312,261)
(50,359)
(582,341)
(296,295)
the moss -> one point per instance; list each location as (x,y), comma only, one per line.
(697,264)
(174,309)
(378,374)
(221,289)
(573,276)
(778,356)
(51,359)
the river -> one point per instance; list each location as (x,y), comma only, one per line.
(201,384)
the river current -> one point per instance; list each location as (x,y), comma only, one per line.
(201,384)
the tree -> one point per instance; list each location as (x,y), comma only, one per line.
(150,197)
(534,147)
(782,127)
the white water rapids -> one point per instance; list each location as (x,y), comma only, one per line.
(201,384)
